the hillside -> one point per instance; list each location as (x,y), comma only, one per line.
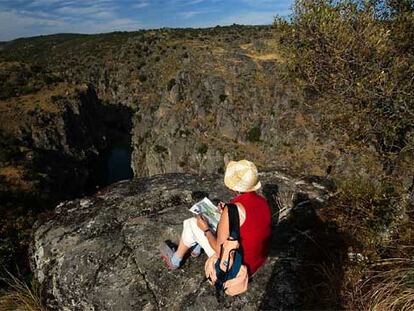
(68,99)
(190,100)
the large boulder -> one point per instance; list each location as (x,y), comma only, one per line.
(102,252)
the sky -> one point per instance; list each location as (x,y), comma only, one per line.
(25,18)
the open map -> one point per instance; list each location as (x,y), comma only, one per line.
(208,210)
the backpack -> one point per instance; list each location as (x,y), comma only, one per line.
(227,272)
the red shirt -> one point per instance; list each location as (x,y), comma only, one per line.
(255,231)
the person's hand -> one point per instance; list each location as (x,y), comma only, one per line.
(221,206)
(202,223)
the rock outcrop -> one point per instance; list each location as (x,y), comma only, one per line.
(101,252)
(57,133)
(209,111)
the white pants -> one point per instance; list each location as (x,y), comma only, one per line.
(192,235)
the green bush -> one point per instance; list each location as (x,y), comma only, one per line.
(171,84)
(142,77)
(253,135)
(56,98)
(202,149)
(354,61)
(375,204)
(160,149)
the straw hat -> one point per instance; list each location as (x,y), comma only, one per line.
(242,176)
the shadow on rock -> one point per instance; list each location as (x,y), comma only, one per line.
(271,193)
(311,254)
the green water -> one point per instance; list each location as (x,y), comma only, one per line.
(111,166)
(117,165)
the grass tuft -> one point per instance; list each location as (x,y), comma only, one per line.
(21,296)
(391,290)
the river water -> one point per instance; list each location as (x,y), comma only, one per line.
(117,163)
(111,166)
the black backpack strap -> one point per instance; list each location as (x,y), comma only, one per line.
(234,220)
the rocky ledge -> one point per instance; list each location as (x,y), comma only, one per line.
(101,252)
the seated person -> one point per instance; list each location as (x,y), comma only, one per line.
(255,222)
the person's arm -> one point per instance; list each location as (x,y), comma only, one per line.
(215,240)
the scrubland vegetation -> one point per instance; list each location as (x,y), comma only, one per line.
(353,63)
(348,68)
(36,76)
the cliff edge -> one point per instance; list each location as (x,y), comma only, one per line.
(101,252)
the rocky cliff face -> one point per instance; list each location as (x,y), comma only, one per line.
(101,252)
(55,134)
(200,96)
(204,119)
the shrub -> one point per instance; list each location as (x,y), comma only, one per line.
(142,77)
(222,97)
(254,134)
(160,149)
(374,204)
(354,62)
(171,84)
(202,149)
(56,98)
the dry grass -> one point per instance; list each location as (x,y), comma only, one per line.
(41,99)
(12,172)
(219,51)
(19,112)
(385,280)
(15,176)
(305,158)
(329,285)
(248,150)
(4,66)
(21,297)
(267,56)
(269,53)
(391,290)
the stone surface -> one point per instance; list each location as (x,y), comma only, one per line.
(101,252)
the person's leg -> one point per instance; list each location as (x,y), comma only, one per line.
(193,235)
(173,257)
(196,251)
(182,249)
(187,239)
(190,239)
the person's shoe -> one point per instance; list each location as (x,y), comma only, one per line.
(196,251)
(167,252)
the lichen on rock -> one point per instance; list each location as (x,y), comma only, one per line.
(101,252)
